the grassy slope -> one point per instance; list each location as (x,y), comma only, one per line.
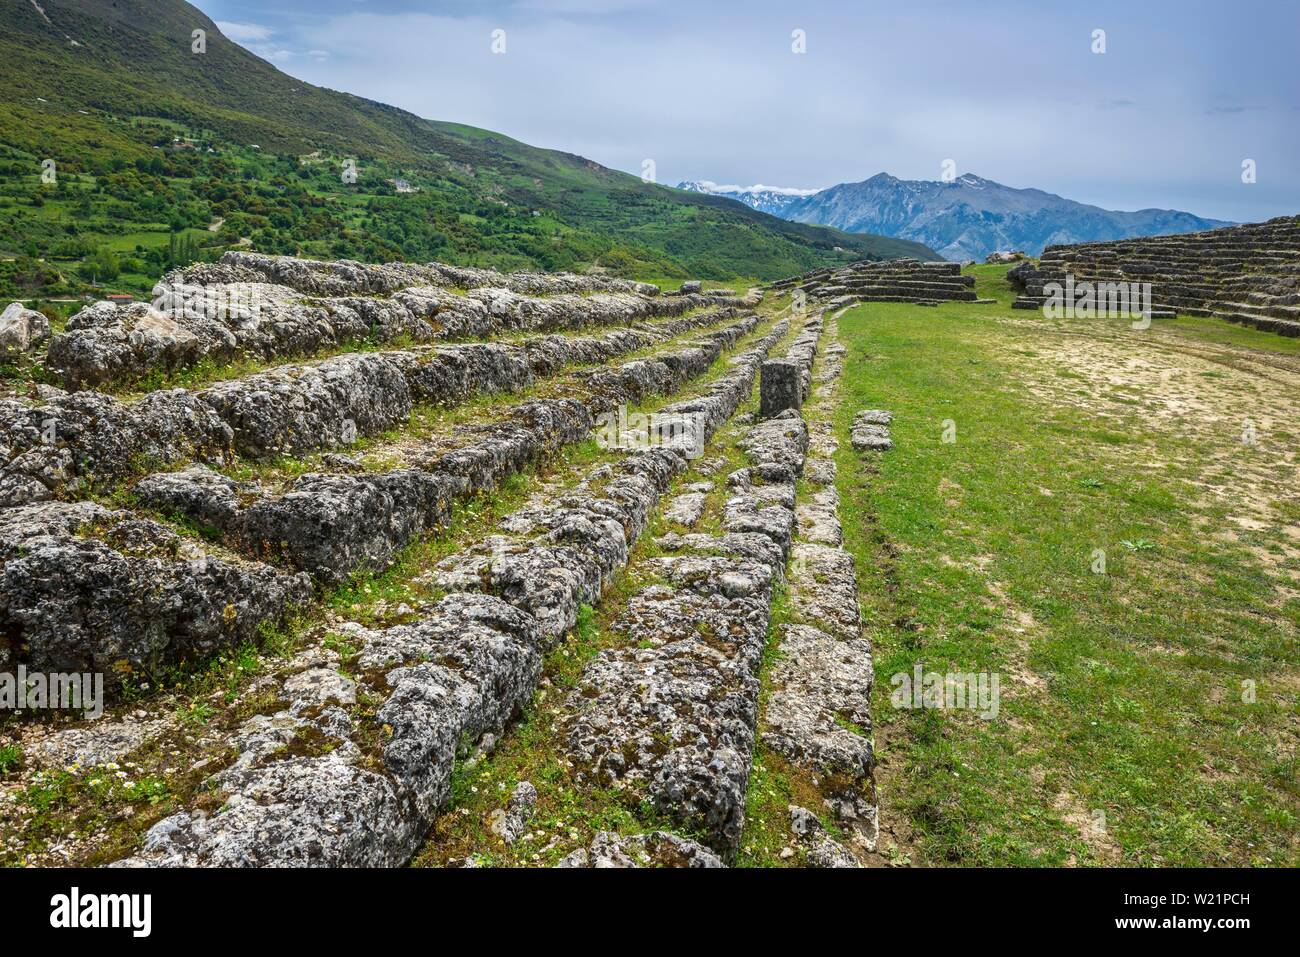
(237,100)
(1123,735)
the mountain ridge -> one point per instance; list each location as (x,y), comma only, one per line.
(972,216)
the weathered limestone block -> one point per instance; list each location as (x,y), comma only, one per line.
(107,343)
(825,586)
(688,507)
(22,329)
(870,431)
(780,387)
(820,849)
(332,526)
(327,524)
(510,822)
(197,493)
(300,408)
(818,682)
(73,439)
(818,518)
(84,588)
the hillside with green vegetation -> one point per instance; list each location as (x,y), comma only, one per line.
(113,172)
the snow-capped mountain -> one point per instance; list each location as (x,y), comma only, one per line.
(967,218)
(765,199)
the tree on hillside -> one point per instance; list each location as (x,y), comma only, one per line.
(101,266)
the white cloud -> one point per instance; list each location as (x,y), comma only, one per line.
(704,94)
(244,33)
(262,41)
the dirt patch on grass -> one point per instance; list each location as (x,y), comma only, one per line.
(1091,827)
(1238,410)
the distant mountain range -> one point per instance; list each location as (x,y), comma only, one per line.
(967,218)
(773,200)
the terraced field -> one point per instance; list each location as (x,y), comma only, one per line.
(390,565)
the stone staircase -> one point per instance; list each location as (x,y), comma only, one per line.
(1245,274)
(896,280)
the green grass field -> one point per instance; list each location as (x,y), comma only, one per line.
(1115,531)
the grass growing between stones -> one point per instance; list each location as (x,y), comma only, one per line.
(1148,713)
(68,816)
(209,370)
(568,814)
(774,784)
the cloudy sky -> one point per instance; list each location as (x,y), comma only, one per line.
(1185,91)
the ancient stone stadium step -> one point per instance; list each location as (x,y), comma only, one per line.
(1248,274)
(1041,303)
(352,771)
(905,280)
(333,524)
(88,589)
(1283,327)
(817,714)
(330,524)
(55,445)
(220,312)
(670,711)
(346,277)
